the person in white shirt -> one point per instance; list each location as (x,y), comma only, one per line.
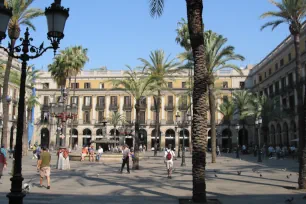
(271,150)
(100,152)
(169,154)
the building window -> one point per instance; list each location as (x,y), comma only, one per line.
(100,116)
(74,99)
(283,82)
(14,111)
(265,74)
(46,100)
(101,86)
(143,101)
(291,102)
(284,102)
(225,98)
(225,85)
(183,85)
(282,62)
(170,116)
(270,71)
(87,101)
(277,87)
(101,100)
(114,100)
(184,100)
(266,91)
(242,85)
(127,100)
(276,66)
(74,85)
(142,117)
(289,57)
(86,117)
(45,85)
(170,85)
(254,82)
(290,79)
(170,100)
(128,116)
(270,89)
(260,78)
(87,85)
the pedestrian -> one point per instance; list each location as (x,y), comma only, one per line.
(271,150)
(243,149)
(38,151)
(99,154)
(169,154)
(218,151)
(3,150)
(91,154)
(3,164)
(125,158)
(144,148)
(44,167)
(84,153)
(292,149)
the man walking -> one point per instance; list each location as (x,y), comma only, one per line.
(125,158)
(44,166)
(169,154)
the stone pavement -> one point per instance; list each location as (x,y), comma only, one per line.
(101,182)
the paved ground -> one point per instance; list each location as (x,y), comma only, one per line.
(101,183)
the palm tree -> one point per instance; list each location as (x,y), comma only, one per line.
(159,67)
(293,12)
(243,107)
(218,57)
(227,109)
(200,105)
(116,119)
(67,64)
(22,15)
(138,87)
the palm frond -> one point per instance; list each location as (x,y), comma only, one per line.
(156,7)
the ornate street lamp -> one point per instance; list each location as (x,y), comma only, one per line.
(56,19)
(258,123)
(182,125)
(237,151)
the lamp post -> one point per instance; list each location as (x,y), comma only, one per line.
(183,124)
(56,19)
(258,123)
(237,151)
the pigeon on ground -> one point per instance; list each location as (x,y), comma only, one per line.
(216,176)
(260,175)
(287,177)
(289,200)
(253,170)
(239,173)
(290,174)
(26,188)
(215,170)
(285,169)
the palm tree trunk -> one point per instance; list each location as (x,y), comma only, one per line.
(212,110)
(115,135)
(136,145)
(301,113)
(157,125)
(199,125)
(5,94)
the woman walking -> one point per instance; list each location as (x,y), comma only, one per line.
(3,164)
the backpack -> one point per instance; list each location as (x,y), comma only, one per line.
(169,155)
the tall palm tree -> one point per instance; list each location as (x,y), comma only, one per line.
(67,64)
(227,109)
(243,107)
(116,119)
(22,15)
(200,106)
(138,87)
(292,12)
(159,68)
(218,57)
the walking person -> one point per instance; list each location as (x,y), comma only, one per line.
(218,151)
(169,154)
(125,158)
(3,164)
(91,154)
(44,167)
(99,154)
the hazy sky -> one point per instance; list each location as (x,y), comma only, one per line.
(117,32)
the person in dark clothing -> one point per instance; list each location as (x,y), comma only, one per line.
(125,158)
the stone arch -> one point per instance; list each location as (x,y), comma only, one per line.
(75,135)
(286,134)
(153,138)
(273,137)
(87,135)
(184,136)
(44,137)
(279,134)
(293,133)
(243,137)
(170,138)
(226,138)
(143,137)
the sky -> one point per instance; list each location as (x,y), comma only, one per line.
(118,32)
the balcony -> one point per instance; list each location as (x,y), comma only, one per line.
(142,122)
(74,123)
(44,108)
(127,107)
(153,123)
(169,107)
(170,122)
(113,107)
(99,123)
(183,107)
(100,107)
(86,107)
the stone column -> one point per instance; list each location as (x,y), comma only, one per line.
(176,104)
(163,108)
(80,139)
(80,112)
(107,102)
(94,112)
(149,108)
(163,139)
(149,140)
(177,137)
(93,137)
